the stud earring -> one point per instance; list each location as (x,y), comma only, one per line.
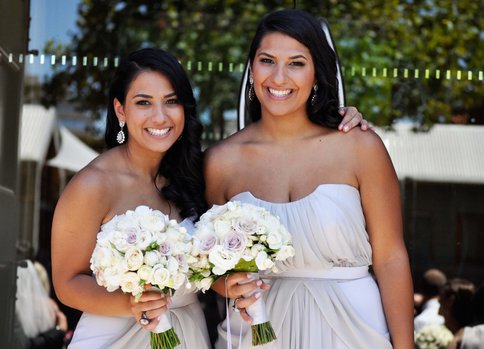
(315,95)
(120,137)
(251,88)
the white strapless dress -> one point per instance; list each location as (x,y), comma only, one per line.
(324,298)
(109,332)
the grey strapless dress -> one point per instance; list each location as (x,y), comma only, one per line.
(324,297)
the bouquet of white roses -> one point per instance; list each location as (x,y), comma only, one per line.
(240,237)
(143,248)
(433,337)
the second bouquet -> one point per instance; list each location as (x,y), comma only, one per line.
(240,237)
(139,249)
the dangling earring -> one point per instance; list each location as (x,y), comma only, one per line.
(251,88)
(120,137)
(315,95)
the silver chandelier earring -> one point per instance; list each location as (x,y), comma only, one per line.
(251,88)
(315,95)
(120,137)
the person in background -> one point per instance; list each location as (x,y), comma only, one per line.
(39,322)
(472,336)
(337,193)
(456,303)
(432,282)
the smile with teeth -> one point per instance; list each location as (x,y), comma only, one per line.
(158,132)
(279,93)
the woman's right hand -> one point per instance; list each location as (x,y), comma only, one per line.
(235,286)
(153,304)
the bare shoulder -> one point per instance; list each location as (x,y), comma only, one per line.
(222,161)
(227,151)
(360,145)
(92,188)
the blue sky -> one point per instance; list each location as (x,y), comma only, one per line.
(51,19)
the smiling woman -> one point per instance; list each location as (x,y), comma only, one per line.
(151,112)
(343,211)
(149,164)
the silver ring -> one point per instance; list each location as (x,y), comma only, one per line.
(234,306)
(144,319)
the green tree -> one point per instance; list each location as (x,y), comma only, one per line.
(211,39)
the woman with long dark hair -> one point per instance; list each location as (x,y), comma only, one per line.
(155,160)
(337,193)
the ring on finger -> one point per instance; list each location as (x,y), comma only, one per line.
(235,308)
(144,319)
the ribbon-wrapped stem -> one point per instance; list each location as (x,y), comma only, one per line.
(262,331)
(164,336)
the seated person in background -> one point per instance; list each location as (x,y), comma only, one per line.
(39,322)
(456,304)
(472,337)
(432,283)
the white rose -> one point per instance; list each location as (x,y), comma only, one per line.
(178,280)
(112,278)
(145,273)
(274,239)
(127,222)
(222,228)
(161,276)
(285,252)
(222,259)
(130,283)
(102,257)
(151,258)
(172,265)
(263,262)
(204,284)
(216,210)
(152,222)
(133,258)
(145,238)
(254,250)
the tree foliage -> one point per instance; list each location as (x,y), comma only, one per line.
(211,39)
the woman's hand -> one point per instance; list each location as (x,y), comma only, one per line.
(351,118)
(152,304)
(235,286)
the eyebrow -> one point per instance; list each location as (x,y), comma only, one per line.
(142,95)
(292,57)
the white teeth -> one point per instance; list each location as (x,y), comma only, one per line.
(279,93)
(157,132)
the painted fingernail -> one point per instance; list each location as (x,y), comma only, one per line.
(346,128)
(258,283)
(249,276)
(257,295)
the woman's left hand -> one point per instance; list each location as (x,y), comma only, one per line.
(351,118)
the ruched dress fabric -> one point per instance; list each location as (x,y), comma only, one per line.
(313,307)
(109,332)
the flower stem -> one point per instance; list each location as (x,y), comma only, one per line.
(164,340)
(262,333)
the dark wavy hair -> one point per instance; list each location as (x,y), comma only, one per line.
(461,291)
(182,163)
(306,29)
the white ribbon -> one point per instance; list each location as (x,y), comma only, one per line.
(257,310)
(163,325)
